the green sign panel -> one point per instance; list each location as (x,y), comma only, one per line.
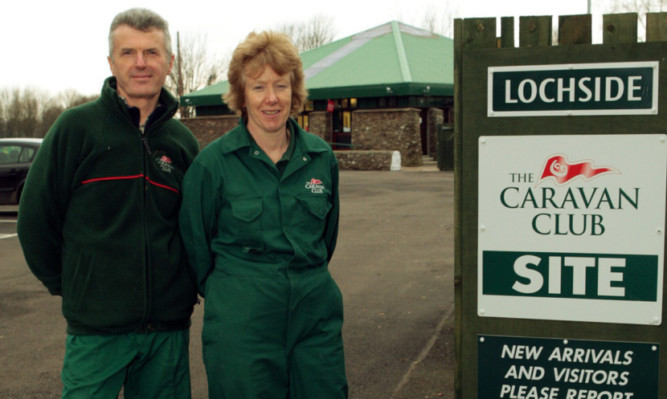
(573,89)
(547,368)
(570,275)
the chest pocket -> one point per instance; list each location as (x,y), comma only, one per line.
(312,217)
(246,224)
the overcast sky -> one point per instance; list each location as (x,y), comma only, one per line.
(61,45)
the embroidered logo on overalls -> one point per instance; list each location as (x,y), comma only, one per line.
(315,186)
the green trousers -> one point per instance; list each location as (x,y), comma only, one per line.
(276,336)
(154,365)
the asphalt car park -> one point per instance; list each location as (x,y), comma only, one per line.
(394,264)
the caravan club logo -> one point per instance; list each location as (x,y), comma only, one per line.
(562,209)
(315,186)
(164,162)
(560,169)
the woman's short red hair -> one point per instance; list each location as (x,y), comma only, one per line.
(253,55)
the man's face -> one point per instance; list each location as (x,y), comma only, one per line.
(140,63)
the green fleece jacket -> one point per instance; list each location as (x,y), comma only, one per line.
(98,218)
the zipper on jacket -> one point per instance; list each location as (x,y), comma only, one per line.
(146,146)
(144,221)
(143,138)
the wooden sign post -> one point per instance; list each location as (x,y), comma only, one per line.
(561,186)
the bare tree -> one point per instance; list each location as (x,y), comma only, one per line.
(638,6)
(30,112)
(194,68)
(316,31)
(3,115)
(440,20)
(50,112)
(16,118)
(71,98)
(21,112)
(51,108)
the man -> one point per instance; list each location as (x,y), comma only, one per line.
(98,224)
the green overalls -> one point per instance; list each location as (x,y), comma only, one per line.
(259,241)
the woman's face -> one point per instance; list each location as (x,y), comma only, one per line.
(268,101)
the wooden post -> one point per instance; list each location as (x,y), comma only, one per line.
(507,32)
(619,28)
(656,27)
(535,31)
(574,29)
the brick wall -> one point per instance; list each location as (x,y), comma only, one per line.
(321,125)
(435,117)
(375,133)
(365,160)
(208,128)
(391,130)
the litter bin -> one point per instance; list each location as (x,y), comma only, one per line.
(445,147)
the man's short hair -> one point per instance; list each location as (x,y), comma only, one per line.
(141,19)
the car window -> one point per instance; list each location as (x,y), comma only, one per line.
(26,154)
(10,154)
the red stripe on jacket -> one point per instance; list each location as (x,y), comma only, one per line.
(139,176)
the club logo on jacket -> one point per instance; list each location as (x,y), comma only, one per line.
(315,186)
(164,163)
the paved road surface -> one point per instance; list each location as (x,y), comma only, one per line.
(394,265)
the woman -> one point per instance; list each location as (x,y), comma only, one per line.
(260,220)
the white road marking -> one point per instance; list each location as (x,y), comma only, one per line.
(424,352)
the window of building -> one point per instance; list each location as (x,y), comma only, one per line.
(304,121)
(347,121)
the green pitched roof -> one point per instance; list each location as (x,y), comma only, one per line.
(390,59)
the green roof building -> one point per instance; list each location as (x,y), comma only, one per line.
(386,88)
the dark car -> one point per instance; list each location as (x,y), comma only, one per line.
(16,155)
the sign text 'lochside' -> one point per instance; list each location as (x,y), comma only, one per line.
(625,88)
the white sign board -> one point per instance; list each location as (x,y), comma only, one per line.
(572,227)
